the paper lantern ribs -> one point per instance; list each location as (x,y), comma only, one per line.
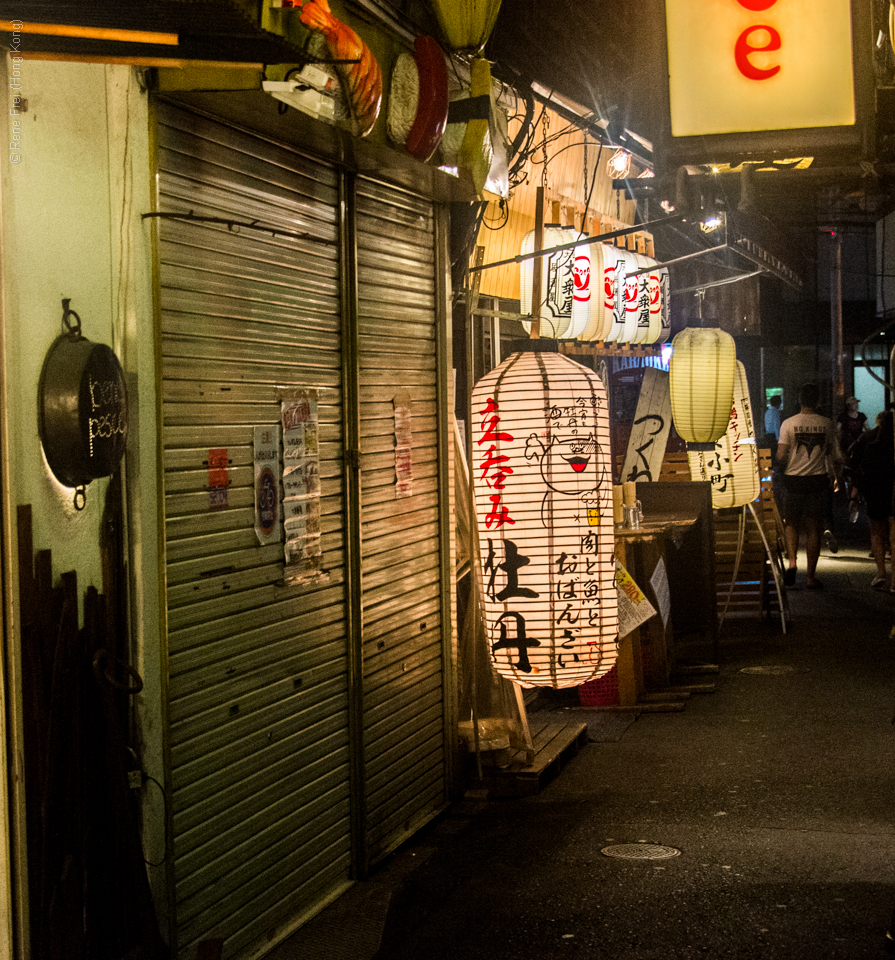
(544,511)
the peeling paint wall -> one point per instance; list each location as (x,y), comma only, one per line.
(75,180)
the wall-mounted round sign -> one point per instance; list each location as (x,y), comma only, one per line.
(82,407)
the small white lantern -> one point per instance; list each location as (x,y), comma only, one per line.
(615,265)
(732,467)
(602,300)
(543,498)
(662,301)
(651,300)
(701,376)
(630,302)
(560,311)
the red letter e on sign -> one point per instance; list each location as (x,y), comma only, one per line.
(745,48)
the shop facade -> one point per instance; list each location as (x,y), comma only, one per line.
(296,721)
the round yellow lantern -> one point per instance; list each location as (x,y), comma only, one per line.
(701,377)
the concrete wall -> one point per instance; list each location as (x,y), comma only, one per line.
(75,172)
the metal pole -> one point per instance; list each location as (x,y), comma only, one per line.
(536,292)
(836,322)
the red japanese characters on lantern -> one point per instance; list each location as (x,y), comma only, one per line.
(494,467)
(543,500)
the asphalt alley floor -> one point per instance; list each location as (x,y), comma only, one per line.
(777,790)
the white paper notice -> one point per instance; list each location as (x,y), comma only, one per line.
(301,486)
(633,607)
(659,583)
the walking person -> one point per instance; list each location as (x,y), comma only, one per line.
(851,425)
(807,451)
(872,464)
(773,418)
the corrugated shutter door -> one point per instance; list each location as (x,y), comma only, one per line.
(403,652)
(257,671)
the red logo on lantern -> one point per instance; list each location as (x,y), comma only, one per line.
(581,273)
(655,294)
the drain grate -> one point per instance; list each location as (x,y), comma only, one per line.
(779,670)
(640,851)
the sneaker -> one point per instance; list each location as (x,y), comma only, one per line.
(878,583)
(830,541)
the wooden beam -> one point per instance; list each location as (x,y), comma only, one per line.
(90,33)
(138,61)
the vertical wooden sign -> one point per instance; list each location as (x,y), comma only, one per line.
(652,424)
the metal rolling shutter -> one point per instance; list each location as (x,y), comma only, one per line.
(404,707)
(257,671)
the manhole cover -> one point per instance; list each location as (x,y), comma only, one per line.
(640,851)
(774,671)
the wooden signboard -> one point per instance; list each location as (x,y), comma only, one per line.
(652,424)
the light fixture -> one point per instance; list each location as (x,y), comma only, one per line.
(701,377)
(543,498)
(565,305)
(619,164)
(710,224)
(732,467)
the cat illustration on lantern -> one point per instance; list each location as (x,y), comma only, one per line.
(571,467)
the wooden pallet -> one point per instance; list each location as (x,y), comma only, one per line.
(555,744)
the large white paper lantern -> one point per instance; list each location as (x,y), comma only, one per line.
(560,311)
(732,467)
(543,500)
(701,376)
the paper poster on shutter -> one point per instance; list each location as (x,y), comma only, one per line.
(301,486)
(652,425)
(633,607)
(267,484)
(403,445)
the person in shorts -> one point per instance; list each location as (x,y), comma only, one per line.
(872,460)
(808,451)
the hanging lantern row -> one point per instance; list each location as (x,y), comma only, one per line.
(542,480)
(732,466)
(701,375)
(591,293)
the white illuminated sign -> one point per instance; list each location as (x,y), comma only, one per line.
(745,65)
